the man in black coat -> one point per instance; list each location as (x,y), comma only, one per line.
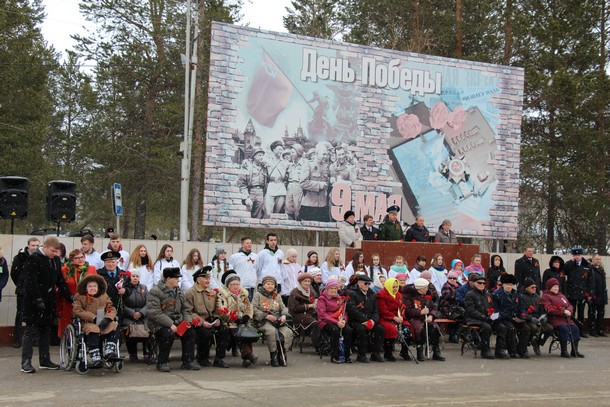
(18,277)
(600,298)
(528,267)
(368,231)
(479,307)
(580,285)
(363,317)
(511,319)
(43,274)
(417,232)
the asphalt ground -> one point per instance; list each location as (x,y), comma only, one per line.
(547,380)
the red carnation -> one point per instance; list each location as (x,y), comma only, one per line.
(530,309)
(428,297)
(490,311)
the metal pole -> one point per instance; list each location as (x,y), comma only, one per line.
(185,173)
(317,238)
(224,235)
(118,225)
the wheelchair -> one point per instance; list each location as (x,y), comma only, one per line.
(73,351)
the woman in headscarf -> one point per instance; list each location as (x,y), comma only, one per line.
(73,271)
(378,282)
(302,307)
(332,320)
(391,317)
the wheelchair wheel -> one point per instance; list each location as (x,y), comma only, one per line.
(81,368)
(118,366)
(68,348)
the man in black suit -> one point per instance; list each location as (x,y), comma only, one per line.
(368,231)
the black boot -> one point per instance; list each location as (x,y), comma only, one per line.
(575,353)
(536,347)
(486,353)
(437,355)
(404,352)
(273,362)
(420,353)
(501,354)
(388,346)
(564,349)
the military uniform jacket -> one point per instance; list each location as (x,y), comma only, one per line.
(166,306)
(580,283)
(201,303)
(508,305)
(314,182)
(253,175)
(390,231)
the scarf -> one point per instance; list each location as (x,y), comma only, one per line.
(306,293)
(271,250)
(72,271)
(236,292)
(244,252)
(440,267)
(144,260)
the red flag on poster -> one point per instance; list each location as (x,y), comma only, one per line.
(269,93)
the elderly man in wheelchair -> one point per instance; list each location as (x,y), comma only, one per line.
(93,307)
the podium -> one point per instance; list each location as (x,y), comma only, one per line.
(387,251)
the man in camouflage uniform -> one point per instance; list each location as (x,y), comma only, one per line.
(315,181)
(390,228)
(342,170)
(294,192)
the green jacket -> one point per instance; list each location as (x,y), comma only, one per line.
(264,304)
(166,306)
(390,231)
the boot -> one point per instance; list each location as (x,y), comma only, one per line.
(602,334)
(564,349)
(437,355)
(376,357)
(420,353)
(163,367)
(96,358)
(218,362)
(501,354)
(26,367)
(536,348)
(593,334)
(190,366)
(404,353)
(273,362)
(575,353)
(362,358)
(110,350)
(486,353)
(387,355)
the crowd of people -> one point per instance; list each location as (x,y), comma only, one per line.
(359,307)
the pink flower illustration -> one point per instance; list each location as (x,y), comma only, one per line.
(408,126)
(439,115)
(457,118)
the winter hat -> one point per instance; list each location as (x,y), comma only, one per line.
(452,274)
(455,262)
(402,276)
(348,214)
(311,252)
(474,276)
(508,279)
(421,283)
(202,272)
(314,271)
(291,252)
(528,282)
(304,276)
(220,249)
(427,275)
(551,282)
(229,276)
(171,272)
(269,278)
(101,284)
(332,283)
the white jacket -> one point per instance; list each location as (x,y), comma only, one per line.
(245,267)
(348,234)
(159,266)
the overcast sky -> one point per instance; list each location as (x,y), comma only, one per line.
(63,19)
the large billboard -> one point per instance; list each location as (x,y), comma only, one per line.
(301,130)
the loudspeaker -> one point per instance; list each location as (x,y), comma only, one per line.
(14,197)
(61,201)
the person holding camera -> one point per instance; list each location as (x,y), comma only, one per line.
(479,308)
(270,315)
(201,302)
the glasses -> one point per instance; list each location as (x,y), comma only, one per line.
(480,282)
(78,258)
(452,278)
(367,283)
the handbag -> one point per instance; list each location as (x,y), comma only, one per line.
(247,333)
(136,330)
